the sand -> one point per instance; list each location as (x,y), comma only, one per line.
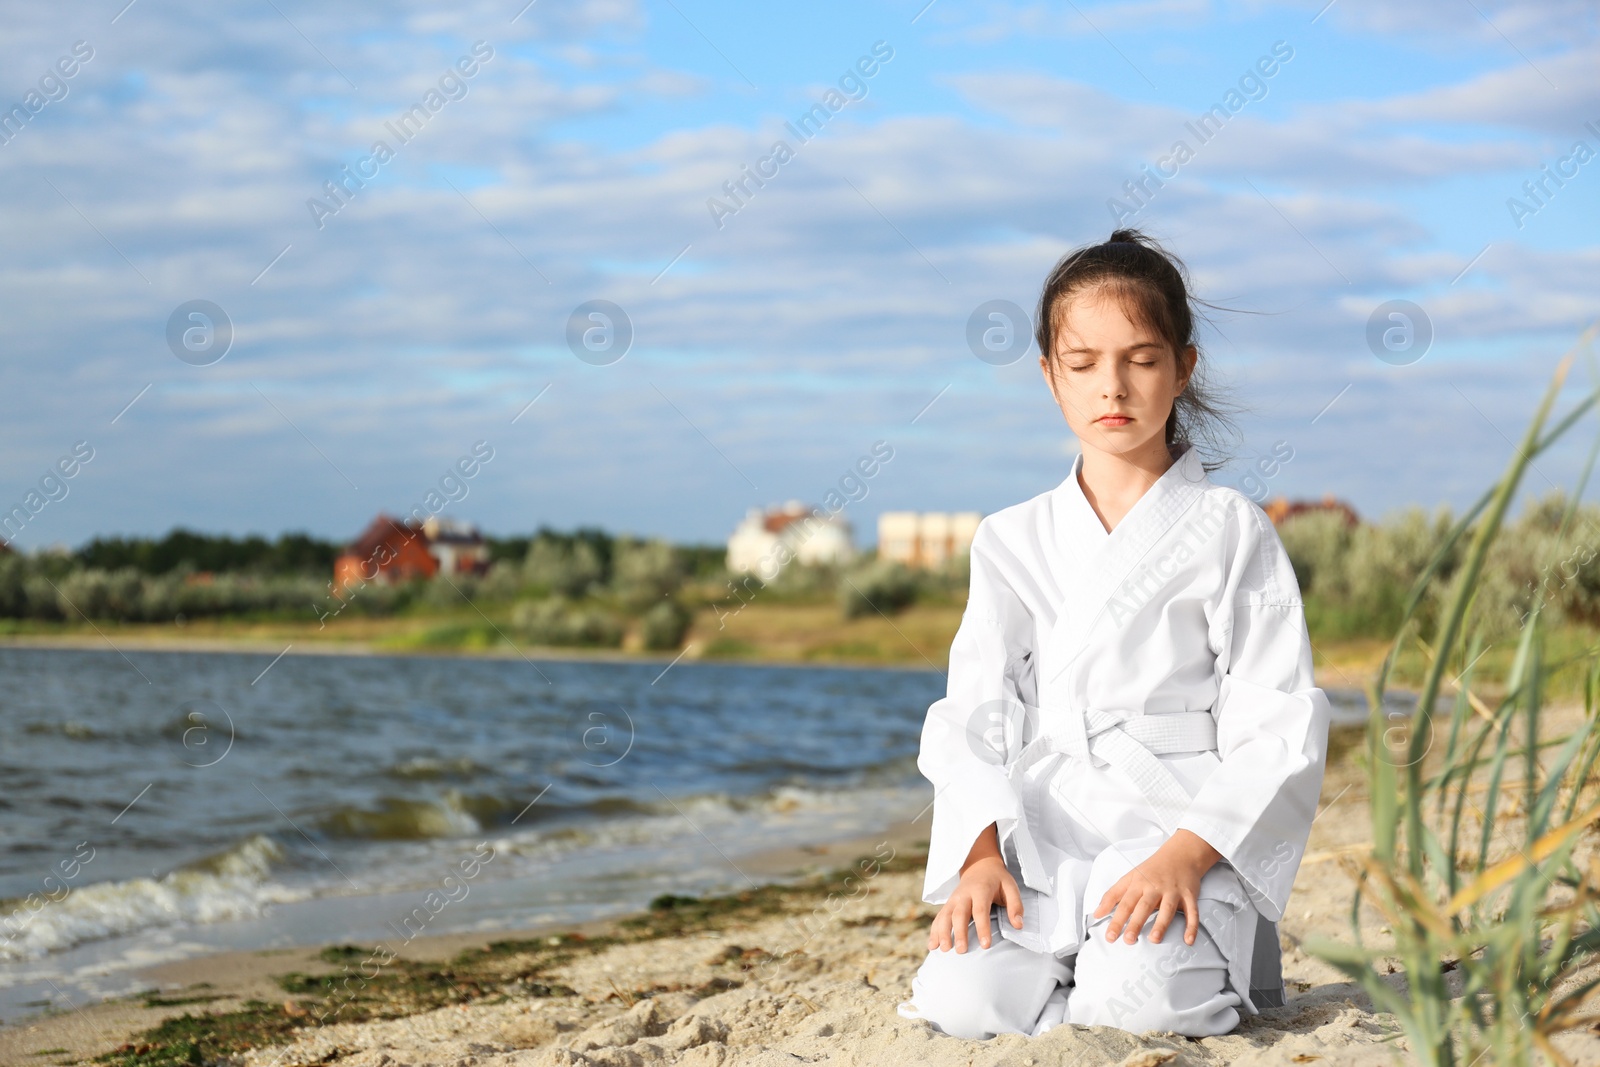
(835,1005)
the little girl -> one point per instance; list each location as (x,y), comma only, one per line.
(1129,755)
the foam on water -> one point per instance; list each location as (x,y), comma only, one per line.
(231,885)
(244,881)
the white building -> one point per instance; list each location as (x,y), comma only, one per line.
(926,539)
(458,546)
(754,544)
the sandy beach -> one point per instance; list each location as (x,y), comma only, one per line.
(805,971)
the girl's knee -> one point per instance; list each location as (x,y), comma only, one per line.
(1140,1010)
(1169,987)
(964,1013)
(983,992)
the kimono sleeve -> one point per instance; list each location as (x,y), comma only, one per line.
(1272,721)
(967,732)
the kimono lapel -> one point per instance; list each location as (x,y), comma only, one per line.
(1113,556)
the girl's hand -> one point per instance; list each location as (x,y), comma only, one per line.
(1165,883)
(984,880)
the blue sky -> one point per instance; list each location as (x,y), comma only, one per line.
(827,313)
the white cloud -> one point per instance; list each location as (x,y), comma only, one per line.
(1557,97)
(996,21)
(1512,25)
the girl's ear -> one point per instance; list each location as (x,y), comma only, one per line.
(1186,363)
(1049,379)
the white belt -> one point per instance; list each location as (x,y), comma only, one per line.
(1129,743)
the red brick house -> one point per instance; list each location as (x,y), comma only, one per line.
(388,551)
(1280,509)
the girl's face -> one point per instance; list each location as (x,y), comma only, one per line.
(1114,379)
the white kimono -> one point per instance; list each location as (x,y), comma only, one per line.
(1107,689)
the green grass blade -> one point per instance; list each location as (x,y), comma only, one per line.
(1456,613)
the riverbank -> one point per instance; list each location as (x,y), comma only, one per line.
(775,632)
(760,633)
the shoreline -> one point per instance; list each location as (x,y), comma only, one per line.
(364,648)
(229,979)
(542,654)
(762,635)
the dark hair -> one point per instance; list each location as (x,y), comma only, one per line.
(1152,285)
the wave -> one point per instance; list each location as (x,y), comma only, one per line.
(427,769)
(243,881)
(653,824)
(453,813)
(70,729)
(232,884)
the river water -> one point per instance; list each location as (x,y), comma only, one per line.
(163,805)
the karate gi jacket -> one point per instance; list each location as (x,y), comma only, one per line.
(1187,615)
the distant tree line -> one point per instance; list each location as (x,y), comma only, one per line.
(291,553)
(301,553)
(586,587)
(698,560)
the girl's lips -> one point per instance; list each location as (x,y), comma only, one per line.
(1114,420)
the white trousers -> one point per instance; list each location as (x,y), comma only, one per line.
(1007,988)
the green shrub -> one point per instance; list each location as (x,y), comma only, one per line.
(565,569)
(664,625)
(1355,579)
(885,587)
(642,572)
(803,582)
(560,621)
